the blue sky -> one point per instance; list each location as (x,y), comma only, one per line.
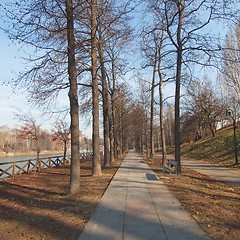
(10,101)
(14,101)
(10,65)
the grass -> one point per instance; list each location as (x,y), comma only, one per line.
(218,149)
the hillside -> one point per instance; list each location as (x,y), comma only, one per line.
(218,149)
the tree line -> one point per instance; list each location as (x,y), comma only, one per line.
(82,48)
(30,137)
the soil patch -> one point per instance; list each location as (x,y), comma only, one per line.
(37,207)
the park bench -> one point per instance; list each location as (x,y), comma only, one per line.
(171,166)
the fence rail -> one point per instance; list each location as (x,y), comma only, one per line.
(11,169)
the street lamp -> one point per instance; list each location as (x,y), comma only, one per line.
(229,113)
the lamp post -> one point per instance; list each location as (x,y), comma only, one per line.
(229,113)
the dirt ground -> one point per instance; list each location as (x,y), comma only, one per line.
(37,207)
(214,205)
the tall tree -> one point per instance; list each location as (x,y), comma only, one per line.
(144,104)
(161,117)
(186,22)
(105,97)
(73,97)
(171,17)
(117,35)
(159,57)
(106,105)
(95,100)
(48,27)
(151,54)
(155,60)
(231,60)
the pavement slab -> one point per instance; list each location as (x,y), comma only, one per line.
(138,206)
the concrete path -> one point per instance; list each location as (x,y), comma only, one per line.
(228,175)
(138,206)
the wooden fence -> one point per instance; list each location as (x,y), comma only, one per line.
(11,169)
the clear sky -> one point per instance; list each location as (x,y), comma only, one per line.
(10,64)
(14,101)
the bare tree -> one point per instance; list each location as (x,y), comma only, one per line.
(144,103)
(6,139)
(105,96)
(73,97)
(185,24)
(61,132)
(157,56)
(231,60)
(203,110)
(116,34)
(95,100)
(30,130)
(149,47)
(49,29)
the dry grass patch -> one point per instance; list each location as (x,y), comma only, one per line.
(37,206)
(217,150)
(214,205)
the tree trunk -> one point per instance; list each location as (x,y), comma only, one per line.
(74,108)
(96,165)
(115,134)
(113,117)
(105,104)
(177,93)
(177,115)
(152,109)
(213,131)
(65,152)
(111,135)
(122,137)
(147,137)
(142,143)
(169,129)
(163,142)
(106,125)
